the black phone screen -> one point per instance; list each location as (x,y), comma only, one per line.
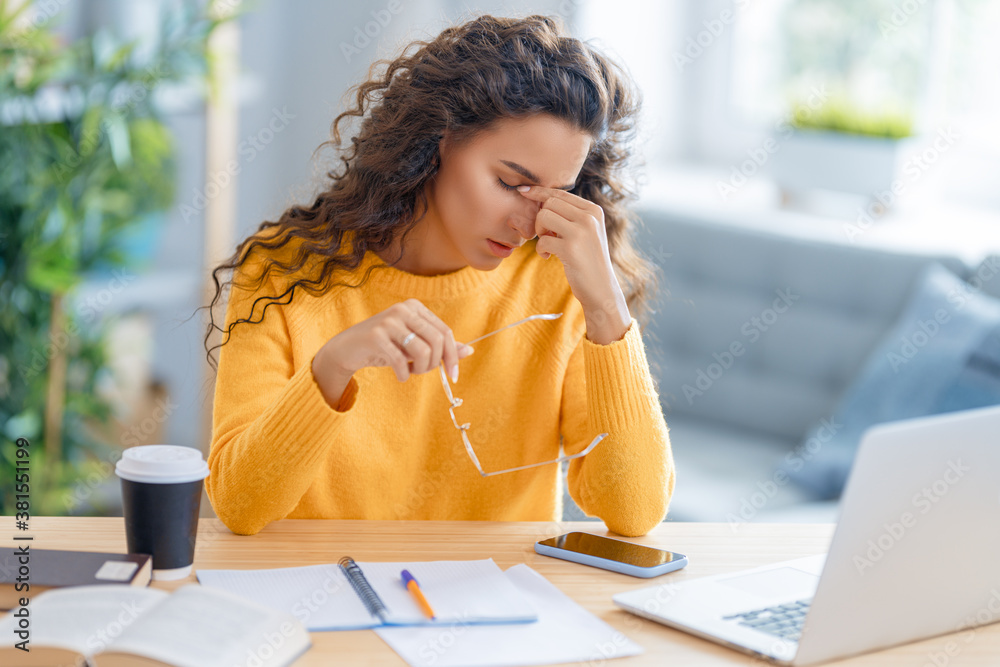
(609,549)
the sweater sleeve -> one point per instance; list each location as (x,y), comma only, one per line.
(627,480)
(270,425)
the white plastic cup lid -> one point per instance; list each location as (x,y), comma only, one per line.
(161,464)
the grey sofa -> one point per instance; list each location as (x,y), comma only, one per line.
(756,335)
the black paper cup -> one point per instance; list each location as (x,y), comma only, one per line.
(161,497)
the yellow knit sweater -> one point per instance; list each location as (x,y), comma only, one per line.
(390,450)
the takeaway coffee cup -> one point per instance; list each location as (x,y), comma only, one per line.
(161,496)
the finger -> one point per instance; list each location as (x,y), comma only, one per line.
(549,245)
(433,338)
(416,351)
(448,351)
(551,223)
(563,209)
(542,194)
(421,348)
(536,192)
(395,357)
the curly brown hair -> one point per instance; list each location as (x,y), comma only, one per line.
(463,81)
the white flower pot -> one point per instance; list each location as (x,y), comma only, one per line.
(862,165)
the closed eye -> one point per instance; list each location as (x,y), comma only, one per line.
(508,188)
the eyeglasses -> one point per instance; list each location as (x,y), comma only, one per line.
(463,428)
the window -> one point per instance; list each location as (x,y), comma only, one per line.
(935,59)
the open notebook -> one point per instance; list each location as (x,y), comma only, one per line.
(466,591)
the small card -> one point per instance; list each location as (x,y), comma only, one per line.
(116,570)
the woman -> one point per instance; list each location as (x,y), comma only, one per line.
(431,236)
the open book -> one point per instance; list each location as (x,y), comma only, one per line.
(466,591)
(117,625)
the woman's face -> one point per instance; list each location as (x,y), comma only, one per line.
(473,198)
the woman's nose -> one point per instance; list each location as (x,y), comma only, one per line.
(524,220)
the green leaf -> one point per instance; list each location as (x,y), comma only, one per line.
(90,131)
(120,57)
(118,137)
(52,276)
(839,114)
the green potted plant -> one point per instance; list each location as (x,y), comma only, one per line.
(841,147)
(87,159)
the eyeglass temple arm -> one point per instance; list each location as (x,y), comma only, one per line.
(586,451)
(540,316)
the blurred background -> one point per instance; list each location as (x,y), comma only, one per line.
(819,185)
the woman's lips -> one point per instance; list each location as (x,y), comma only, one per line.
(498,249)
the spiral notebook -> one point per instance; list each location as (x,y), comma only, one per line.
(324,597)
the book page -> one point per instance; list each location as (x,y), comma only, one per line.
(198,627)
(85,619)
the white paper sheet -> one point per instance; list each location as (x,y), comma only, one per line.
(564,632)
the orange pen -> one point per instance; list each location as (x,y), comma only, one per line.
(411,585)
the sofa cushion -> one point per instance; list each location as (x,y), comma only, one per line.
(941,355)
(986,276)
(721,282)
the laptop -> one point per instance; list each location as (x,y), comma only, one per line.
(914,555)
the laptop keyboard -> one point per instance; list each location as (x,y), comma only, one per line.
(783,620)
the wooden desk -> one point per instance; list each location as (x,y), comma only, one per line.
(711,549)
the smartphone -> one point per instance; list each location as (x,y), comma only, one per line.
(610,554)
